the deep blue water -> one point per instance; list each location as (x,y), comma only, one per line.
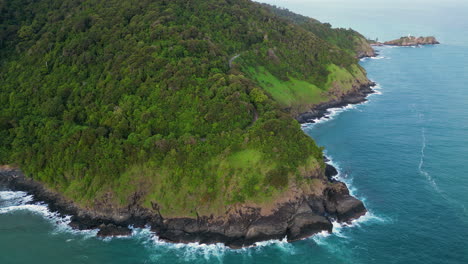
(405,153)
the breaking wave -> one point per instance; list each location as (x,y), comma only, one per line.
(334,112)
(14,201)
(339,228)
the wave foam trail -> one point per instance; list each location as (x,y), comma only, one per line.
(421,162)
(428,176)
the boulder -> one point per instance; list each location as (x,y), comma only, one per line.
(306,224)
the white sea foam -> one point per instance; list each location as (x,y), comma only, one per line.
(283,245)
(340,229)
(334,112)
(192,250)
(373,58)
(21,201)
(19,198)
(39,209)
(8,195)
(377,90)
(331,114)
(320,238)
(368,218)
(421,163)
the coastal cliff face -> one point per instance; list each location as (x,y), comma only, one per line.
(305,211)
(363,48)
(412,41)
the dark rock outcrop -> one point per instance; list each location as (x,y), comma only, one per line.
(330,172)
(355,96)
(112,230)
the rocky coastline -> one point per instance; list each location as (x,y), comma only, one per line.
(357,95)
(298,218)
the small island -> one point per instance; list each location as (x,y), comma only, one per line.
(409,41)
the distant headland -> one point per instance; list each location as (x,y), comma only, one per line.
(408,41)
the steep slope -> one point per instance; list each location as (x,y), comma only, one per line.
(346,39)
(168,108)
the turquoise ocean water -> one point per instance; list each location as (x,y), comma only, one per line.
(405,153)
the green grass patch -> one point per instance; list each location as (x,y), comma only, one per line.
(245,159)
(291,93)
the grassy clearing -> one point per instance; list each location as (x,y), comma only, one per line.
(342,79)
(301,95)
(292,93)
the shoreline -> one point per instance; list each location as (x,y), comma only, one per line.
(297,219)
(321,110)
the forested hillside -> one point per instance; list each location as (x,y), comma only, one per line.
(107,100)
(347,39)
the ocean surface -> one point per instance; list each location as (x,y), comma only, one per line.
(404,153)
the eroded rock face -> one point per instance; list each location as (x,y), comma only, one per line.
(112,230)
(299,217)
(364,49)
(294,220)
(330,172)
(340,204)
(304,225)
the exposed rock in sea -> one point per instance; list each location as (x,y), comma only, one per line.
(112,230)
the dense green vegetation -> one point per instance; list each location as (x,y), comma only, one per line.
(109,100)
(347,39)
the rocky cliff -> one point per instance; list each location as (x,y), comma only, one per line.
(363,48)
(300,214)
